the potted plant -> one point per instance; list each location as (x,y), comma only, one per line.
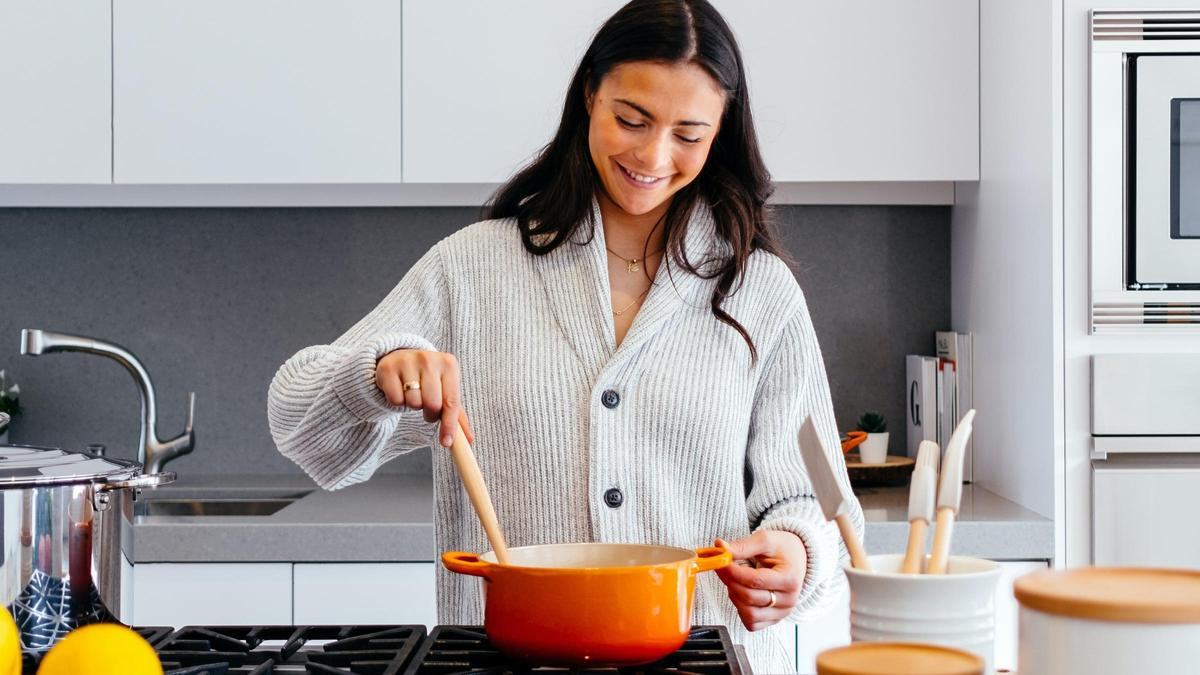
(9,403)
(874,449)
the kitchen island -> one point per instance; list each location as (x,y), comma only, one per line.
(314,557)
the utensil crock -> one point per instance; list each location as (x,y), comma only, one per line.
(593,604)
(956,609)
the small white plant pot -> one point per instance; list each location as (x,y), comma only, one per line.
(874,449)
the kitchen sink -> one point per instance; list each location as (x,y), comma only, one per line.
(216,504)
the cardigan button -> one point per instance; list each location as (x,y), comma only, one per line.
(613,498)
(610,399)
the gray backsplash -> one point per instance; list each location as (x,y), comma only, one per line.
(214,300)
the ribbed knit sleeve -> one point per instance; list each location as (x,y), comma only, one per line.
(324,409)
(793,385)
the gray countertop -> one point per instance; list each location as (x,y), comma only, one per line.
(389,519)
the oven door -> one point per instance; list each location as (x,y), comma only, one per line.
(1145,511)
(1163,247)
(1146,459)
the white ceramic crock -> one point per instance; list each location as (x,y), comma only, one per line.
(1109,621)
(953,610)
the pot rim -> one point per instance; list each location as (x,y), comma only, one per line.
(119,470)
(686,555)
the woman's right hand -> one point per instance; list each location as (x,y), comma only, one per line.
(439,394)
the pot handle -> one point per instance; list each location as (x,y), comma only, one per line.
(466,563)
(711,558)
(101,495)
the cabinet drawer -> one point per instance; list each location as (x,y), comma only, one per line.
(182,594)
(362,593)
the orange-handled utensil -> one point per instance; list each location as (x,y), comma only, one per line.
(852,440)
(468,471)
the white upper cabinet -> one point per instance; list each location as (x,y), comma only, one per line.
(55,92)
(256,91)
(484,82)
(863,90)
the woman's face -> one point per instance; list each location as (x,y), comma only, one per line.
(653,122)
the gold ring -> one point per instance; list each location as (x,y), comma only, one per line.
(415,384)
(772,602)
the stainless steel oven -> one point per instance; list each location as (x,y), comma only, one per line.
(1145,170)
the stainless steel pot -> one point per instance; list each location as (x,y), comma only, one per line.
(60,540)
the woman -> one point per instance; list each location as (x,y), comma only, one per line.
(636,357)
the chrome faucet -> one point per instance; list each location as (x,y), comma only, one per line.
(152,453)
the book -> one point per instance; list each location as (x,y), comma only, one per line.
(955,363)
(921,404)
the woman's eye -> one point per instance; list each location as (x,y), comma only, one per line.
(689,140)
(626,123)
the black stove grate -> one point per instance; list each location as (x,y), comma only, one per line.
(465,650)
(152,634)
(289,650)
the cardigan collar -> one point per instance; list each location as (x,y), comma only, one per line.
(575,278)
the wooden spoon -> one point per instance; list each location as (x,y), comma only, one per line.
(468,470)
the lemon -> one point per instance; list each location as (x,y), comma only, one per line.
(101,649)
(10,645)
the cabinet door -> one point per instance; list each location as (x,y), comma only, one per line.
(183,594)
(55,89)
(1007,610)
(482,96)
(365,593)
(1144,512)
(862,90)
(826,630)
(256,91)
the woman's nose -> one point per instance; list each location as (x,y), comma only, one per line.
(654,154)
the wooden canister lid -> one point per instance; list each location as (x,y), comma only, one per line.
(1118,594)
(895,658)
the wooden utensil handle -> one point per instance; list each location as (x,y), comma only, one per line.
(940,556)
(468,470)
(916,546)
(858,557)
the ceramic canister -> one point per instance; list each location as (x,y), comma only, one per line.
(952,610)
(1109,621)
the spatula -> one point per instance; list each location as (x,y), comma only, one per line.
(949,494)
(920,505)
(468,471)
(835,503)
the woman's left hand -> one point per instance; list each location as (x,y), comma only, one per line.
(765,595)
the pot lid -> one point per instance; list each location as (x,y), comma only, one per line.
(1118,594)
(34,466)
(888,658)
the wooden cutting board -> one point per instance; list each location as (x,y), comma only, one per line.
(893,472)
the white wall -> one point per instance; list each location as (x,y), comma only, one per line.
(1005,231)
(1079,345)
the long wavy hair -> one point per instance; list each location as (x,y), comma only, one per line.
(552,196)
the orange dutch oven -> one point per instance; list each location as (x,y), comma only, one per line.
(593,604)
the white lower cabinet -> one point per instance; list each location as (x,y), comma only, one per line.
(1006,610)
(186,594)
(365,593)
(831,628)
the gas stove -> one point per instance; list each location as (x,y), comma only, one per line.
(393,650)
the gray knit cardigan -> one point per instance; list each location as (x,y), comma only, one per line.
(699,442)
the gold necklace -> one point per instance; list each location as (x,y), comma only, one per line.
(635,301)
(631,264)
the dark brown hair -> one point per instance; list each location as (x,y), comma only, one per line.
(552,196)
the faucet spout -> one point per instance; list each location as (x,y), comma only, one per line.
(153,453)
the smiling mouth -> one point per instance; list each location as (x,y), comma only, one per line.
(629,174)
